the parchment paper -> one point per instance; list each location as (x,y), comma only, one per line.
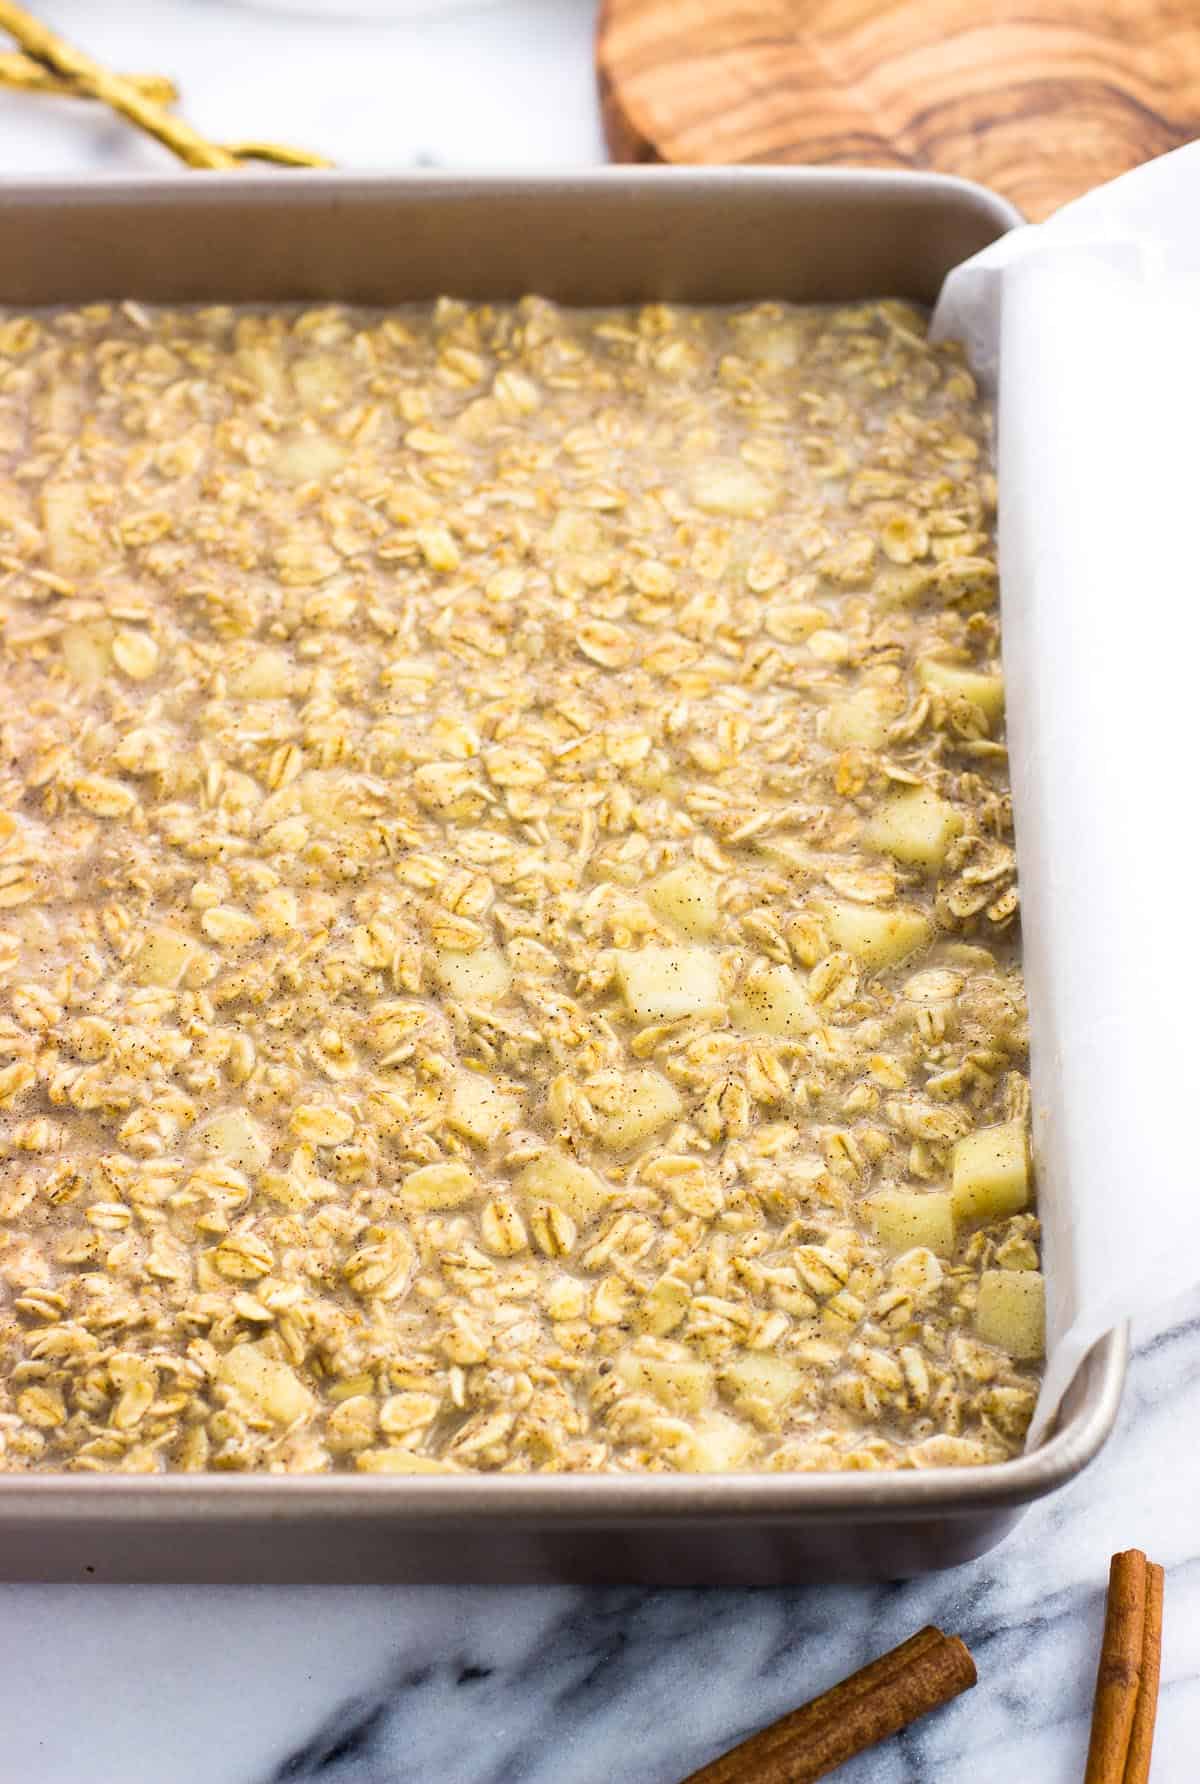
(1087,327)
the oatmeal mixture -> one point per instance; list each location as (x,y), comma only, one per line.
(506,896)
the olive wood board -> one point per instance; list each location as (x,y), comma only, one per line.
(1040,100)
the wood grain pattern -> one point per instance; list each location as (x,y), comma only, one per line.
(1041,99)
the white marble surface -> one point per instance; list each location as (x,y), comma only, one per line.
(103,1685)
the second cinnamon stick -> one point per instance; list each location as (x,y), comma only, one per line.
(879,1700)
(1141,1735)
(1119,1672)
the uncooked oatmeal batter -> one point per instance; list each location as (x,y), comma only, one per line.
(506,896)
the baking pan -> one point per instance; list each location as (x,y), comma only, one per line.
(614,235)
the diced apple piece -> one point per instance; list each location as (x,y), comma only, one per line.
(648,1101)
(761,1376)
(915,826)
(87,652)
(59,407)
(732,488)
(263,366)
(861,720)
(163,957)
(16,509)
(267,675)
(474,977)
(687,897)
(235,1137)
(323,797)
(991,1173)
(776,348)
(663,1306)
(665,984)
(272,1387)
(1011,1312)
(399,1461)
(556,1177)
(902,1219)
(875,937)
(681,1382)
(774,1001)
(322,381)
(70,534)
(446,1185)
(984,691)
(309,456)
(481,1109)
(715,1444)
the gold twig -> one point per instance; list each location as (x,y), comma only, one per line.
(177,136)
(126,97)
(23,73)
(276,152)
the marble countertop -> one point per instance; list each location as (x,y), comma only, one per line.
(114,1685)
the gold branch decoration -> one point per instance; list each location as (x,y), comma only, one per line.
(26,75)
(46,63)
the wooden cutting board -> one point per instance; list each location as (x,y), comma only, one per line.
(1040,99)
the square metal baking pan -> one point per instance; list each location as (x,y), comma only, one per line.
(702,236)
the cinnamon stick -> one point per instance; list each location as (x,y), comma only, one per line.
(1141,1738)
(1119,1673)
(927,1670)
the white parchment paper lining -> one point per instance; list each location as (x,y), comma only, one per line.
(1087,328)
